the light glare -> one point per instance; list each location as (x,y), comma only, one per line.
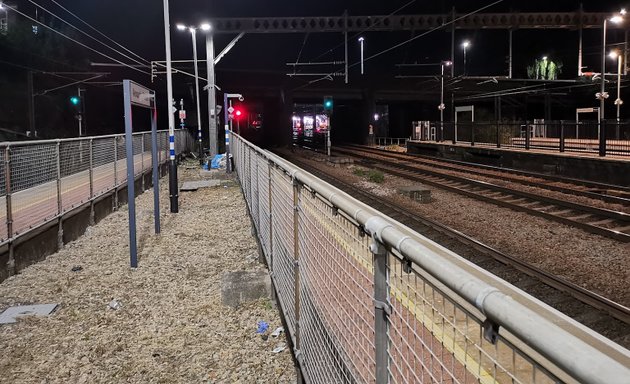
(206,27)
(181,27)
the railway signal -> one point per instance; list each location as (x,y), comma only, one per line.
(328,104)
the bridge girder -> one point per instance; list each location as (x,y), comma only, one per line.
(540,20)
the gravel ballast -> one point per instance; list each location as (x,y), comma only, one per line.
(171,325)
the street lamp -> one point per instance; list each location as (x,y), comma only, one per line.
(442,107)
(618,102)
(603,95)
(465,45)
(193,34)
(361,40)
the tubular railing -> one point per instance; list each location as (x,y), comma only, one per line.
(41,181)
(367,300)
(609,138)
(384,141)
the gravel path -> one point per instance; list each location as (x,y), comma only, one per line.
(172,326)
(591,261)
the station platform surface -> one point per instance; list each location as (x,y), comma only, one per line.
(162,322)
(587,165)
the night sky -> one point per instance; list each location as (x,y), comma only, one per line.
(138,25)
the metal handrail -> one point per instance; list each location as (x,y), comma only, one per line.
(547,336)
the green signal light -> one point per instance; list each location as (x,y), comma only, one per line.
(74,100)
(328,104)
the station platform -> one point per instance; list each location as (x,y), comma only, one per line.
(167,320)
(611,169)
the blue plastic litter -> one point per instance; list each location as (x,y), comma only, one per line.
(262,327)
(215,161)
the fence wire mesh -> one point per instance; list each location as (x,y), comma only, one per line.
(327,285)
(48,178)
(33,185)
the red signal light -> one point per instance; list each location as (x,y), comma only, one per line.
(238,113)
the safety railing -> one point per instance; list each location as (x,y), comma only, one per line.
(40,181)
(367,300)
(608,138)
(385,141)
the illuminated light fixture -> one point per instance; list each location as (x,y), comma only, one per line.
(205,27)
(616,19)
(447,63)
(613,54)
(466,44)
(181,27)
(361,39)
(545,58)
(622,12)
(376,117)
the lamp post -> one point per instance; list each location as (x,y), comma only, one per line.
(361,40)
(618,102)
(4,22)
(212,101)
(442,107)
(172,177)
(602,95)
(193,34)
(465,45)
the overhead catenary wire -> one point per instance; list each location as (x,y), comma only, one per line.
(412,39)
(99,32)
(74,40)
(85,33)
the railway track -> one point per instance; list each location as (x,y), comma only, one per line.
(609,223)
(608,193)
(594,311)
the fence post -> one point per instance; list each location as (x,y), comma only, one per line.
(382,310)
(561,136)
(141,162)
(602,139)
(472,134)
(91,181)
(7,188)
(498,135)
(59,200)
(527,138)
(270,189)
(115,173)
(296,262)
(454,125)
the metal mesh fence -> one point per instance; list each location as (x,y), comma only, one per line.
(336,310)
(358,317)
(103,164)
(283,261)
(74,160)
(48,178)
(33,185)
(588,137)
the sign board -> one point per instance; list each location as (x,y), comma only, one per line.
(231,116)
(140,95)
(587,110)
(182,114)
(231,109)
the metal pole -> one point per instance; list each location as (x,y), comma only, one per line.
(510,55)
(464,59)
(193,33)
(173,188)
(345,38)
(618,101)
(361,41)
(580,52)
(381,311)
(228,169)
(442,104)
(31,105)
(602,99)
(156,171)
(212,102)
(453,44)
(603,79)
(131,193)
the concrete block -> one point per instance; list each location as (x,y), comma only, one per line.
(244,286)
(416,192)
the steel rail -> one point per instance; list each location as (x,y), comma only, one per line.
(442,163)
(441,180)
(585,296)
